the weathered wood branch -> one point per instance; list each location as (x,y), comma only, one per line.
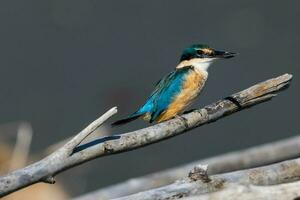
(70,155)
(248,158)
(45,169)
(288,191)
(284,172)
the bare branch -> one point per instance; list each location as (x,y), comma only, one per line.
(283,172)
(248,158)
(45,170)
(62,159)
(21,149)
(249,192)
(89,129)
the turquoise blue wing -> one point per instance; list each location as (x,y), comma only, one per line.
(166,89)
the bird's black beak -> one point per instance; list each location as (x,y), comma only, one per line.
(224,54)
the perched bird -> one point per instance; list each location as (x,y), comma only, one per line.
(177,90)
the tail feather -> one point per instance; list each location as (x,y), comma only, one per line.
(126,120)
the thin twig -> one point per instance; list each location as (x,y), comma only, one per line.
(61,160)
(22,147)
(45,169)
(89,129)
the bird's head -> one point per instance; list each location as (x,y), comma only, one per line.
(201,56)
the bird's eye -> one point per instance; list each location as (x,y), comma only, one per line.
(200,52)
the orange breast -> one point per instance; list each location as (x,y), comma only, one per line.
(191,88)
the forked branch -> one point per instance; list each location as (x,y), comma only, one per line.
(71,155)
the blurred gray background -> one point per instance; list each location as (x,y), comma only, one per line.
(64,63)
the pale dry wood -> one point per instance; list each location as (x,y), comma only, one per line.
(22,146)
(284,172)
(287,191)
(68,156)
(248,158)
(224,163)
(45,169)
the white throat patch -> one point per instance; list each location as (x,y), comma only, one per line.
(201,64)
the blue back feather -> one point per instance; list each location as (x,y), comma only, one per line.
(164,92)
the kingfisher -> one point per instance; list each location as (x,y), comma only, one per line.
(178,89)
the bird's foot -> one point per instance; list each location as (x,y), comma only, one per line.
(183,119)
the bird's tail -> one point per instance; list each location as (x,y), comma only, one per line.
(127,119)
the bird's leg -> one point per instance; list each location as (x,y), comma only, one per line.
(183,119)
